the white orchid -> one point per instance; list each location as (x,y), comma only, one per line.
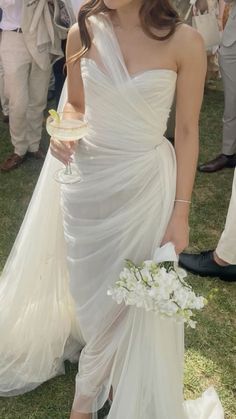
(158,287)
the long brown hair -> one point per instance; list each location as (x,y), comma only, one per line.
(154,14)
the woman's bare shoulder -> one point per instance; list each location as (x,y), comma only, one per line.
(187,37)
(187,46)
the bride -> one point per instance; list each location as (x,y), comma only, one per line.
(125,62)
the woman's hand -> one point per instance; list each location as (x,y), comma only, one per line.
(177,232)
(62,150)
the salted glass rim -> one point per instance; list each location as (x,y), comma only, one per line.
(50,120)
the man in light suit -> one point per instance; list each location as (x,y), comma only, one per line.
(26,84)
(221,262)
(227,60)
(31,33)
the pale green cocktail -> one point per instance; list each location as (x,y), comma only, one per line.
(63,127)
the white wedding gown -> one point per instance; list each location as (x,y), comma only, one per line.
(119,211)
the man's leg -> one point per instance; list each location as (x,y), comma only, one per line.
(226,249)
(228,72)
(3,99)
(38,90)
(16,64)
(221,262)
(59,73)
(227,61)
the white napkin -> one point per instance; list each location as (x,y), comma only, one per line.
(165,253)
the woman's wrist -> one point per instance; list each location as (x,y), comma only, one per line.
(183,201)
(182,208)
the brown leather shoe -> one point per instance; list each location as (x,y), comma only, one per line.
(38,155)
(12,162)
(220,162)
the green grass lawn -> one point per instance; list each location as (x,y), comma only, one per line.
(211,348)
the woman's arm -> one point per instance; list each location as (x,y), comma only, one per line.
(191,61)
(74,79)
(75,104)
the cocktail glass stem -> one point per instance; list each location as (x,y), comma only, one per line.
(68,170)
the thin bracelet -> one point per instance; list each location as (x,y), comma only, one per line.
(183,200)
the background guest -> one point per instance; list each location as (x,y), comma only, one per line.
(51,87)
(3,99)
(221,262)
(76,4)
(227,60)
(65,20)
(213,71)
(30,43)
(27,72)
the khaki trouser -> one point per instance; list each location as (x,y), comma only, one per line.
(226,248)
(227,60)
(3,99)
(26,86)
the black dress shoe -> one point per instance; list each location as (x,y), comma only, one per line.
(220,162)
(203,264)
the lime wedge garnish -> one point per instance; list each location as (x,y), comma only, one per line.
(55,115)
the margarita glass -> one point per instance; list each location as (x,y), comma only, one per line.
(67,127)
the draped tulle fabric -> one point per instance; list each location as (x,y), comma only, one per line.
(37,321)
(119,211)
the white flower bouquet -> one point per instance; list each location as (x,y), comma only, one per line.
(158,285)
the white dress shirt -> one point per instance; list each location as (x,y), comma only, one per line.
(76,4)
(12,14)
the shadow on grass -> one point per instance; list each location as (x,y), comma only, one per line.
(210,350)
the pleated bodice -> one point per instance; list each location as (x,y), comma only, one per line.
(125,125)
